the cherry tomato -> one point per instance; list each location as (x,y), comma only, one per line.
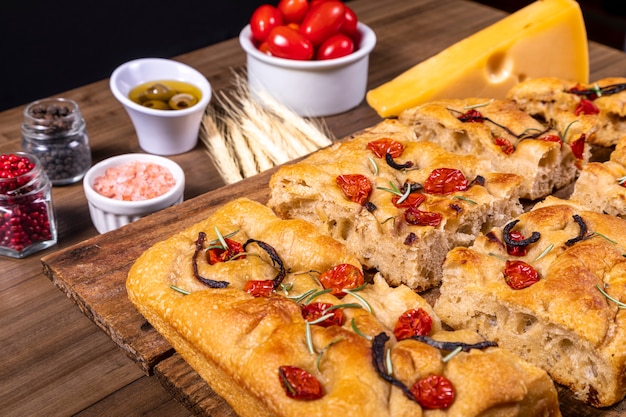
(285,42)
(383,146)
(299,384)
(350,21)
(413,200)
(516,250)
(504,144)
(445,181)
(263,19)
(340,277)
(417,217)
(578,147)
(434,391)
(313,311)
(322,21)
(519,274)
(335,47)
(293,10)
(586,107)
(219,254)
(259,288)
(355,186)
(471,116)
(552,138)
(413,322)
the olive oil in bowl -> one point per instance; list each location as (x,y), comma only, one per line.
(166,95)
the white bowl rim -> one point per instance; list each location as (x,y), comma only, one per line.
(204,86)
(118,206)
(368,41)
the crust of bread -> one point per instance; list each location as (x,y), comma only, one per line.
(544,165)
(600,185)
(236,342)
(548,99)
(562,323)
(308,190)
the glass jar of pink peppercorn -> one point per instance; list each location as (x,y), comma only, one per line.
(27,222)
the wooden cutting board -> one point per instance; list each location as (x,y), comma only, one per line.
(93,275)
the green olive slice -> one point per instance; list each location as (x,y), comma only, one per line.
(182,101)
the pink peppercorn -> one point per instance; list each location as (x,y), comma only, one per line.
(27,223)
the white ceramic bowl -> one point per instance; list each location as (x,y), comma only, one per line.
(161,132)
(109,214)
(311,88)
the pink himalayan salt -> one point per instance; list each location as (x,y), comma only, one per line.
(134,181)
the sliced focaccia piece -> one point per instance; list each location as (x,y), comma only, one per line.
(498,131)
(596,110)
(317,341)
(601,186)
(550,286)
(399,205)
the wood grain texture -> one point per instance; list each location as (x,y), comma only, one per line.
(56,362)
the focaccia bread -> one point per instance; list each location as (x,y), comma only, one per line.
(351,350)
(499,132)
(349,189)
(601,186)
(595,110)
(569,318)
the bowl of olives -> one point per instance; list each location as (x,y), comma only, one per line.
(165,100)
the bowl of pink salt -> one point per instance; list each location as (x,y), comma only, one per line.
(125,188)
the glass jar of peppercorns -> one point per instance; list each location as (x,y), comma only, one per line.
(54,131)
(27,222)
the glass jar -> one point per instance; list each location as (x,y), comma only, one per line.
(54,131)
(27,221)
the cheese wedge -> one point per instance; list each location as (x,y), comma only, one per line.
(544,39)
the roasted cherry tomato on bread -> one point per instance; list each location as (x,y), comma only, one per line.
(259,288)
(263,20)
(519,274)
(413,322)
(299,384)
(340,277)
(381,147)
(445,181)
(285,42)
(220,254)
(433,392)
(314,311)
(355,186)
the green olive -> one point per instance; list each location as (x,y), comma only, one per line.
(156,104)
(182,101)
(158,91)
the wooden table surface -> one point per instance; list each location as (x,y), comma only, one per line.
(53,360)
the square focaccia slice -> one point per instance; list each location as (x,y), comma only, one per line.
(318,341)
(550,286)
(397,204)
(601,186)
(498,131)
(595,110)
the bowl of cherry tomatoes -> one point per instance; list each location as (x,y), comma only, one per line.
(311,56)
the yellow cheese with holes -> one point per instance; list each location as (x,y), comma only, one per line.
(544,39)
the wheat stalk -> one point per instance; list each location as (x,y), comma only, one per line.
(245,135)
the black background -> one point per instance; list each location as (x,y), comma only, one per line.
(50,46)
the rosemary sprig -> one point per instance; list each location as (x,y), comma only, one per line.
(452,354)
(358,331)
(324,349)
(180,290)
(545,251)
(567,130)
(608,239)
(298,298)
(374,165)
(460,197)
(309,336)
(354,292)
(620,304)
(475,106)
